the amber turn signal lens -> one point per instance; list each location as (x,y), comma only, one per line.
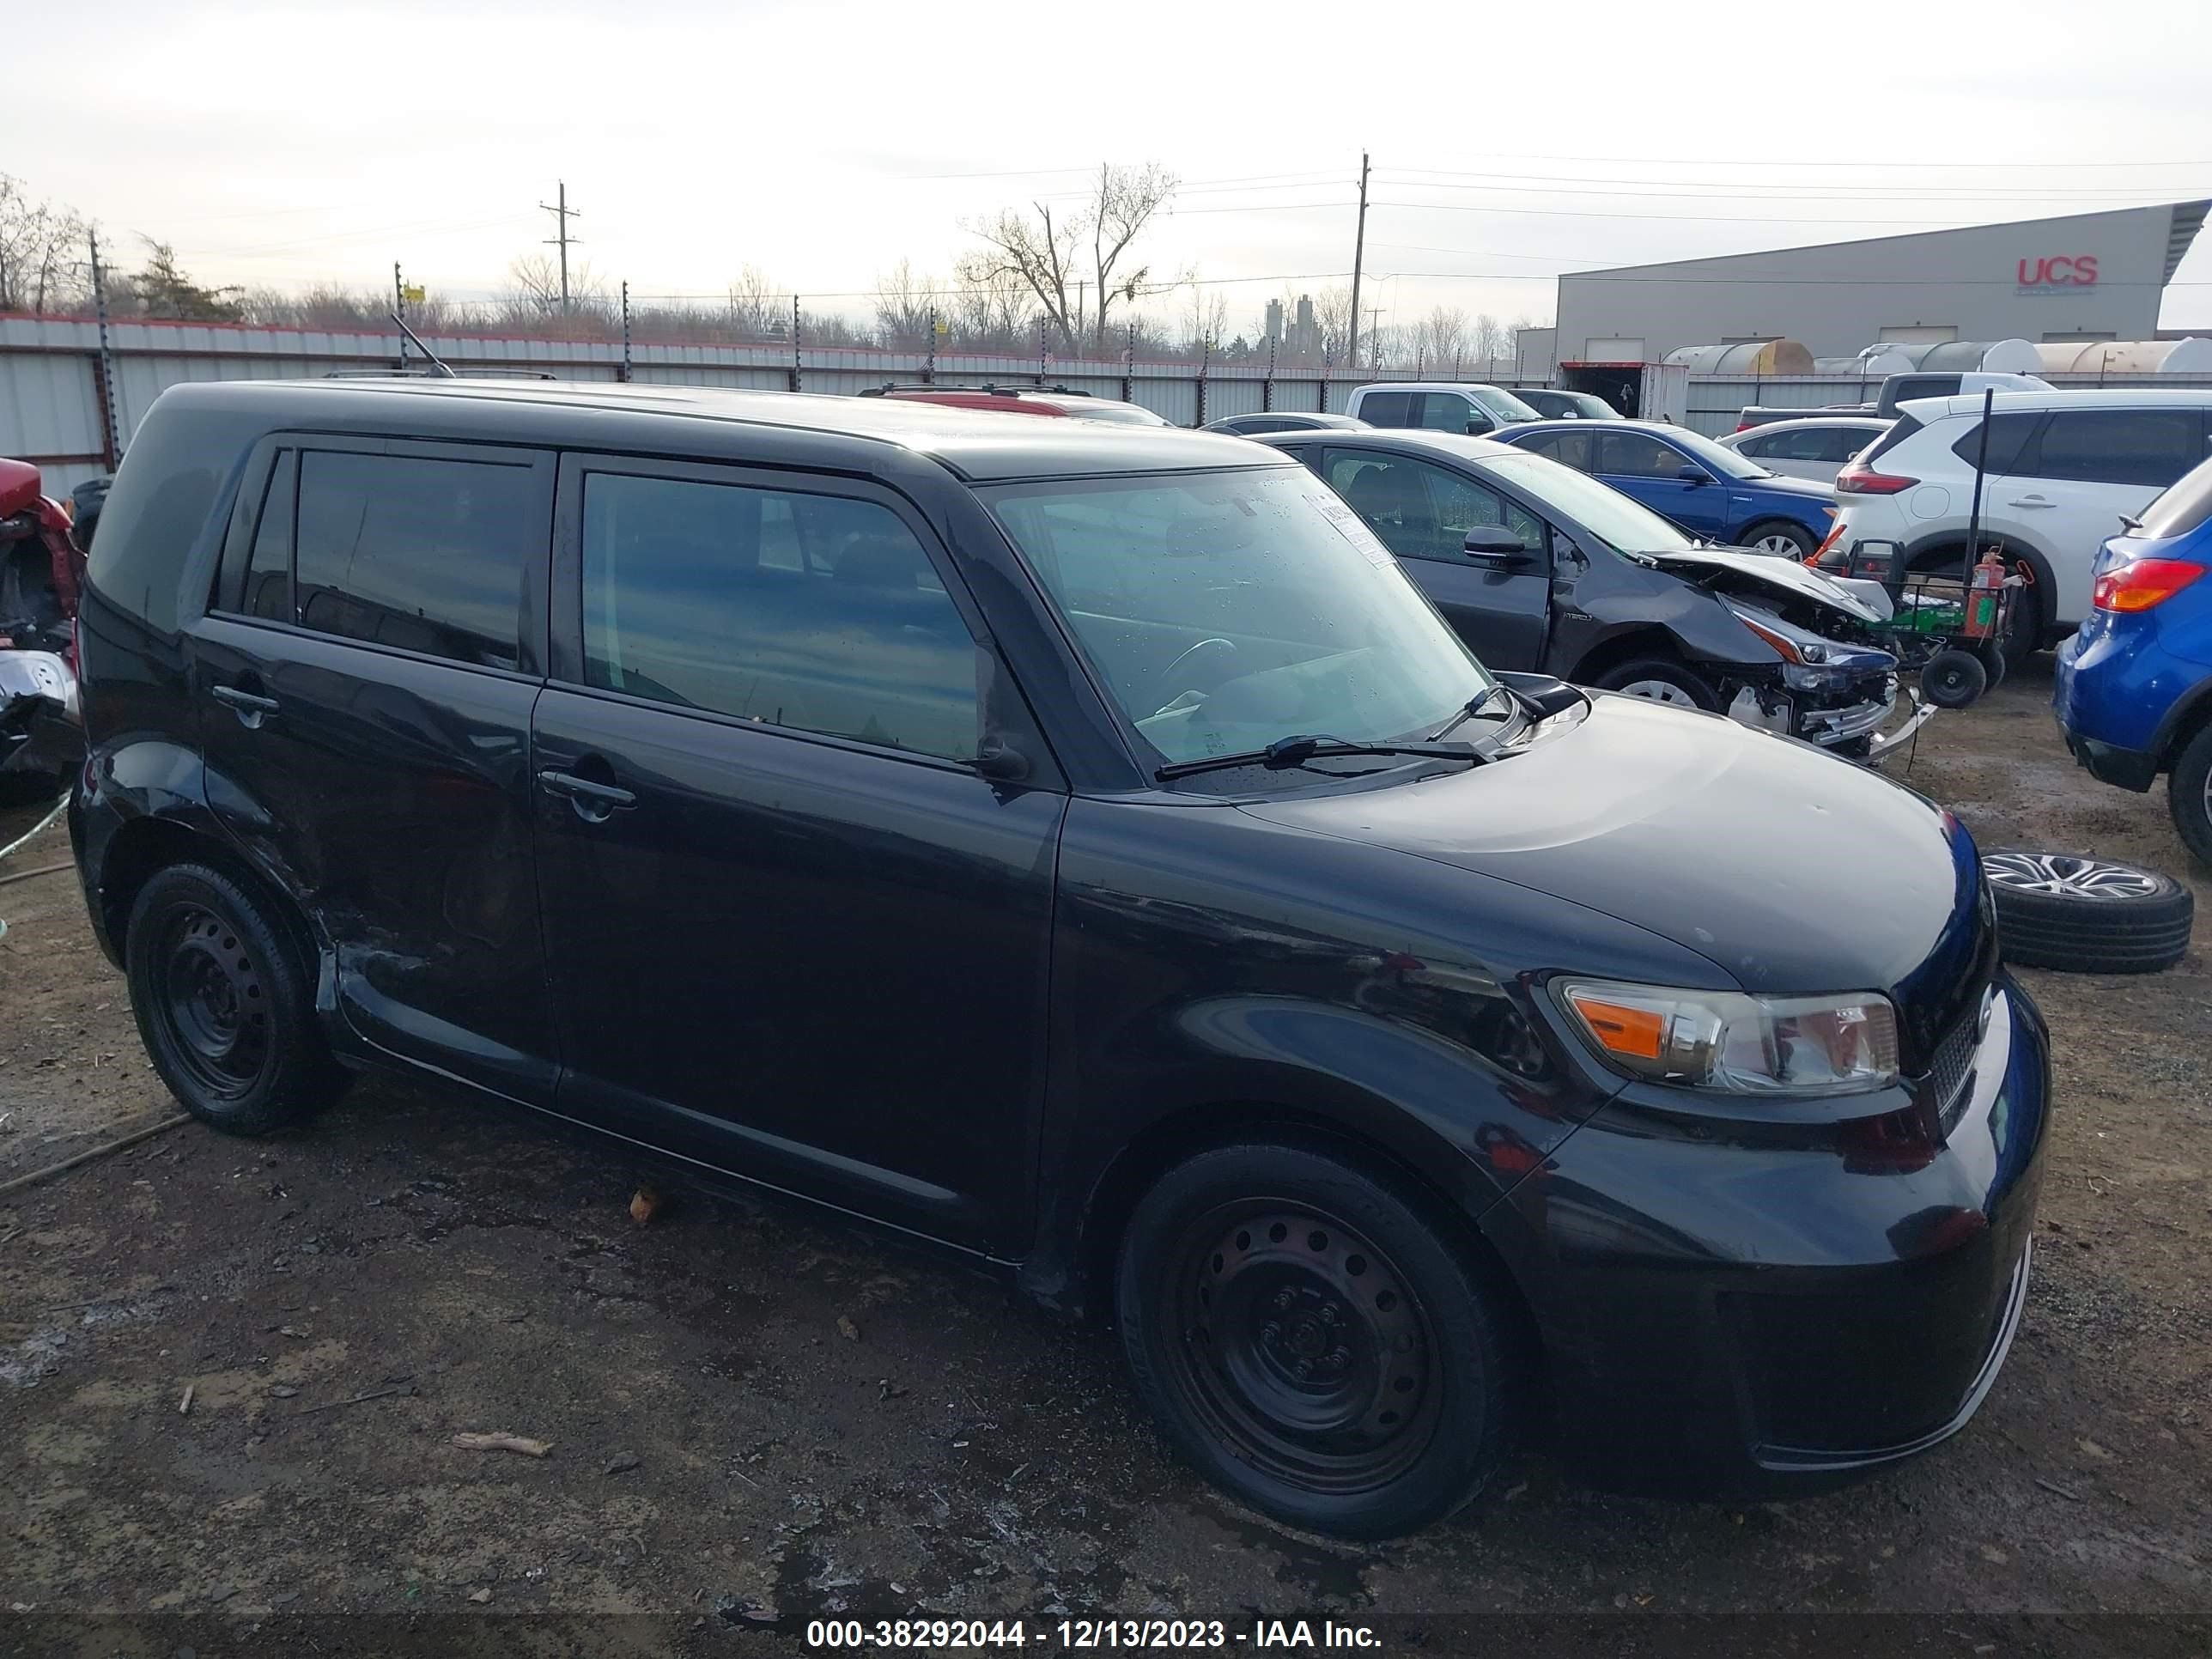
(1621,1029)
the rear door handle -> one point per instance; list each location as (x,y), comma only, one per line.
(2030,500)
(251,707)
(593,801)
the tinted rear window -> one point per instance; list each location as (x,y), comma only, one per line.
(427,554)
(1903,428)
(1385,407)
(2009,440)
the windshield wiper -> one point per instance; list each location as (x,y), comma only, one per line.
(1475,706)
(1297,750)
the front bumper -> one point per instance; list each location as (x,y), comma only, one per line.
(1723,1313)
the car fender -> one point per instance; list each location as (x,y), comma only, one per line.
(160,780)
(2188,711)
(1699,627)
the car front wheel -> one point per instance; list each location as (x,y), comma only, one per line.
(1781,538)
(1311,1343)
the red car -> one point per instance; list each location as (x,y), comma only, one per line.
(1024,400)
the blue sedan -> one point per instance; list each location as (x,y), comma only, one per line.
(2134,686)
(1711,492)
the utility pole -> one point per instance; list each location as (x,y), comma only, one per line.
(110,448)
(1359,258)
(562,214)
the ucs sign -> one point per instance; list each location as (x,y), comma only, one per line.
(2059,271)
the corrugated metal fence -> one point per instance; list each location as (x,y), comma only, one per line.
(56,410)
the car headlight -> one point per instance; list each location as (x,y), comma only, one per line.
(1737,1043)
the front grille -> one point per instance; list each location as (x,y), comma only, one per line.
(1951,1075)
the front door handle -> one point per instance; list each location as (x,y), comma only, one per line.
(594,801)
(2030,501)
(251,708)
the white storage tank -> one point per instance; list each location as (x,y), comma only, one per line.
(2189,356)
(1744,357)
(1871,362)
(1966,356)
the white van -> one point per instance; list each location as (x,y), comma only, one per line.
(1438,406)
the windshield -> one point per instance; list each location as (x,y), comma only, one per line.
(1622,525)
(1223,610)
(1503,405)
(1713,458)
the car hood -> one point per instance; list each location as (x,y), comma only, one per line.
(1789,869)
(1780,484)
(1768,570)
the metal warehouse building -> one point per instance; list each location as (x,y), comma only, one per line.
(2086,276)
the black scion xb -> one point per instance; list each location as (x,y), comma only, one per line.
(1081,848)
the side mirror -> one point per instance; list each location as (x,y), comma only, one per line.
(1478,424)
(1000,762)
(1692,475)
(1496,542)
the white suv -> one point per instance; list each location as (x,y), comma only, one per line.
(1438,406)
(2064,469)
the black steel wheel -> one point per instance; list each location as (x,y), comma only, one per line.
(1311,1343)
(222,1004)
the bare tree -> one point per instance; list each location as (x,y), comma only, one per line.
(1490,343)
(993,309)
(41,248)
(1440,339)
(908,307)
(1046,250)
(1205,319)
(756,310)
(1333,316)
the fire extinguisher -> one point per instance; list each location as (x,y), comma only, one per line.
(1982,589)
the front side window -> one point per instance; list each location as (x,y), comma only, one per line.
(1598,510)
(428,555)
(1448,412)
(1223,610)
(2145,446)
(821,613)
(1421,511)
(1632,455)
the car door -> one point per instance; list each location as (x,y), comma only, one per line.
(1499,602)
(794,933)
(1648,469)
(2083,471)
(364,681)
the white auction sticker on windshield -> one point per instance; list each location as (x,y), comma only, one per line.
(1350,525)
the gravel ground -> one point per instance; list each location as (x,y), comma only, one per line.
(757,1420)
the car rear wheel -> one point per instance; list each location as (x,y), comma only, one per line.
(1311,1343)
(2087,915)
(2189,796)
(1779,536)
(1663,680)
(222,1005)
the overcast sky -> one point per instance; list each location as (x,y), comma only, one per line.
(288,145)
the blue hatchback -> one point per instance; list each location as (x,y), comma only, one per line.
(1711,492)
(2134,686)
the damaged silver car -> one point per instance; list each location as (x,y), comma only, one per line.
(1543,568)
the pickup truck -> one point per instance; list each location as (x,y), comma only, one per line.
(1897,389)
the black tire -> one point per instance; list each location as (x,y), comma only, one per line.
(2189,796)
(1996,664)
(1782,530)
(224,1006)
(1953,679)
(1247,1263)
(1665,671)
(2024,637)
(2087,915)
